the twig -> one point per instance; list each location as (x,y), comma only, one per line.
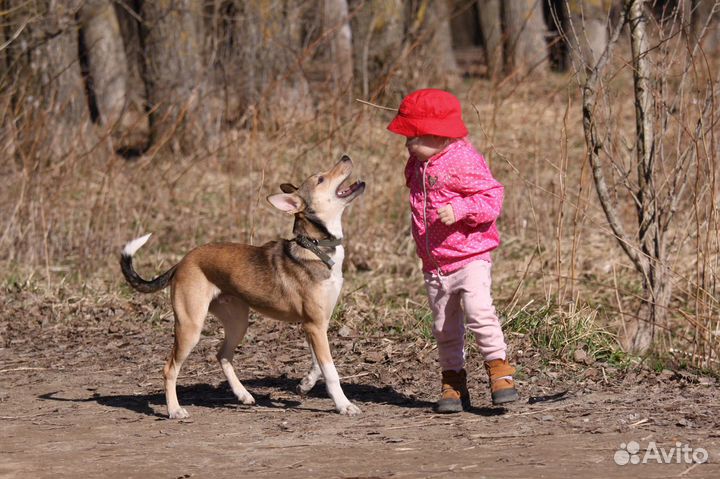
(374,105)
(422,424)
(689,469)
(27,416)
(22,369)
(359,375)
(525,413)
(17,33)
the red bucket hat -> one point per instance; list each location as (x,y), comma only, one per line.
(429,112)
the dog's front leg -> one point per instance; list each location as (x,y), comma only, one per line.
(317,335)
(308,382)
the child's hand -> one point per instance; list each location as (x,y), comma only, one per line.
(447,215)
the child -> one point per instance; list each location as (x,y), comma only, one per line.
(454,201)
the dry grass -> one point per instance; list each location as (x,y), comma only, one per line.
(64,223)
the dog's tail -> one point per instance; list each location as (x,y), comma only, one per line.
(133,278)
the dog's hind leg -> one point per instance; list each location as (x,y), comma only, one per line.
(233,313)
(317,334)
(308,382)
(190,310)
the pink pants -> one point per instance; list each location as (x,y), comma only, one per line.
(464,297)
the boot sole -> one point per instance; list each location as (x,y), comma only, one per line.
(450,407)
(505,396)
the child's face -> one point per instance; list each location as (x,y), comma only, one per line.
(424,147)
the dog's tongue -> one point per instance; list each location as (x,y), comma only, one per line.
(344,189)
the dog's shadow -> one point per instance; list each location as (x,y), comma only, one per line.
(221,396)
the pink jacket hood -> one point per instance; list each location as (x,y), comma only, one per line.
(458,176)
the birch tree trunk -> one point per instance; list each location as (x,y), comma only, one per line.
(647,251)
(641,332)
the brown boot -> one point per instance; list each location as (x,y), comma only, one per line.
(501,390)
(455,396)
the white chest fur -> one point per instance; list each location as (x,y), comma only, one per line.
(335,282)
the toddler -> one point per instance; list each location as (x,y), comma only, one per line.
(454,201)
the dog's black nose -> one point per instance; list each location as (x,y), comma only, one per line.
(345,158)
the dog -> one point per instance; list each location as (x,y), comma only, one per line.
(296,280)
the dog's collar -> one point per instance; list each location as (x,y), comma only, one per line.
(314,246)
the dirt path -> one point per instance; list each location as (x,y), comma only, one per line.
(83,398)
(101,424)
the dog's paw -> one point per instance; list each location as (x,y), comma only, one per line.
(304,387)
(246,399)
(179,414)
(349,410)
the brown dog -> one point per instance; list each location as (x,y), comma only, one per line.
(296,280)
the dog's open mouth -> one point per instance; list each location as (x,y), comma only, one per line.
(344,190)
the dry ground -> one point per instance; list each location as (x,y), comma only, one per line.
(81,396)
(80,361)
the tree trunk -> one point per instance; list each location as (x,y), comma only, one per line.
(174,72)
(426,58)
(108,75)
(491,25)
(128,13)
(706,12)
(524,37)
(335,16)
(289,93)
(14,25)
(641,332)
(403,46)
(60,114)
(586,33)
(378,31)
(656,284)
(440,47)
(257,62)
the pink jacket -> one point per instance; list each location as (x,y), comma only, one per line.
(458,176)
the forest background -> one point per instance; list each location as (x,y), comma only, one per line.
(120,118)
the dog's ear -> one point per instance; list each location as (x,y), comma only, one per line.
(288,188)
(287,202)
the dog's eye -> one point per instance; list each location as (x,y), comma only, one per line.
(320,179)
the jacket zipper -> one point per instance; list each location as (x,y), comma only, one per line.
(427,232)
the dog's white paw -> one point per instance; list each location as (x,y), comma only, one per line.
(246,399)
(349,410)
(179,414)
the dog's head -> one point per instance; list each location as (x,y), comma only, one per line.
(323,196)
